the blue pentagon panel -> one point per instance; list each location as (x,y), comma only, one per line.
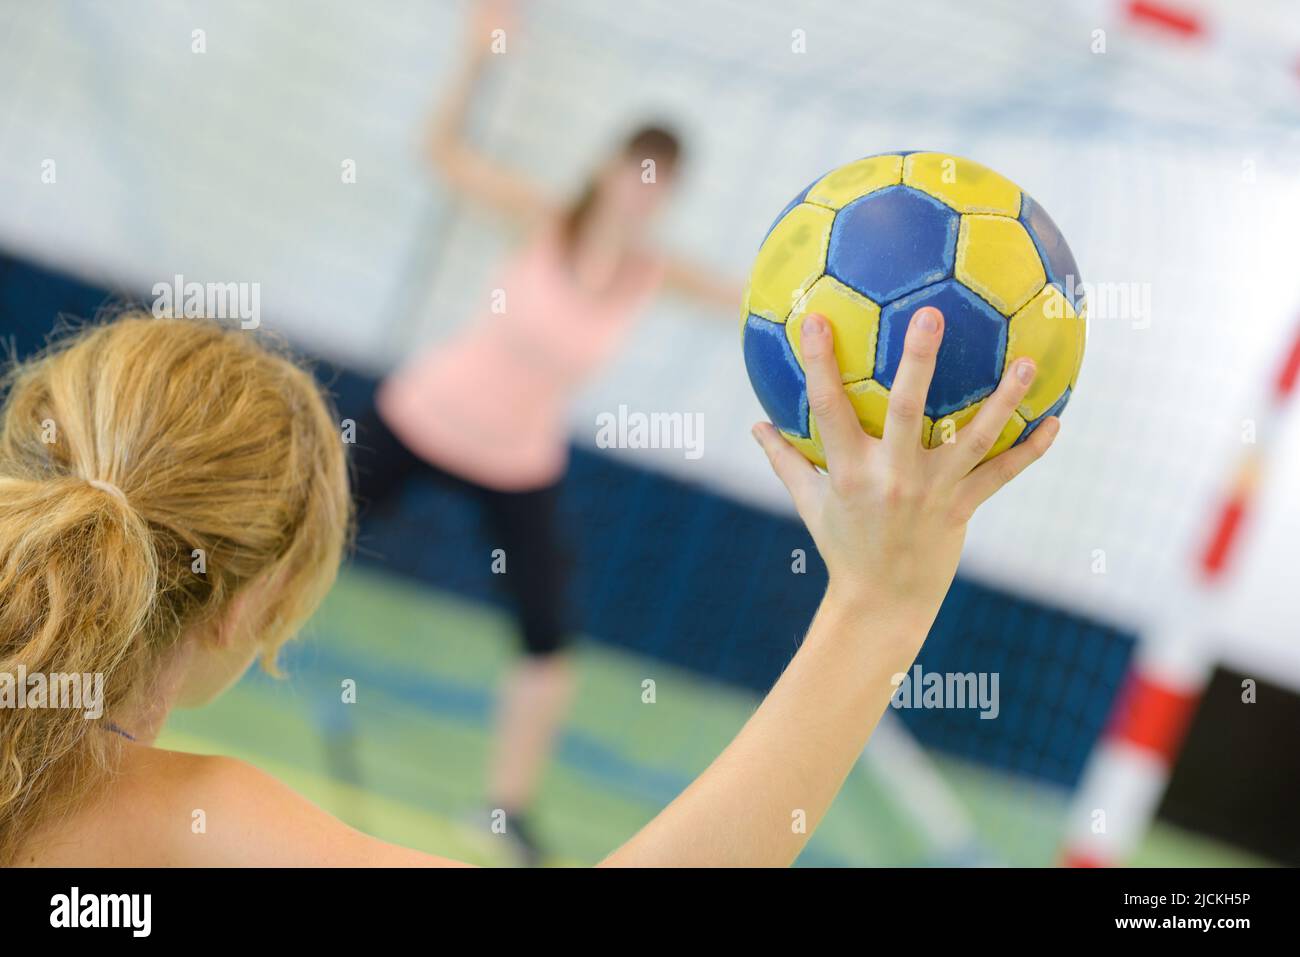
(969,365)
(791,205)
(1057,408)
(891,242)
(1058,261)
(777,379)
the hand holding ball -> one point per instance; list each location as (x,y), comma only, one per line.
(869,244)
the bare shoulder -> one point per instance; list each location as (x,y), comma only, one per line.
(171,809)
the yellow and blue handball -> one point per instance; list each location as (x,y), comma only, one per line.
(867,245)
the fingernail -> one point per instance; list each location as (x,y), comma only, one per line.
(927,320)
(1025,371)
(1052,426)
(814,324)
(756,432)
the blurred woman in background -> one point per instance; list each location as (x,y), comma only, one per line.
(486,412)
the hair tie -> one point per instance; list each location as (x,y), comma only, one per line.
(108,487)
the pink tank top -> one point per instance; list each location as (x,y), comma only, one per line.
(490,405)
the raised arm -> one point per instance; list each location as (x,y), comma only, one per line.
(468,170)
(889,520)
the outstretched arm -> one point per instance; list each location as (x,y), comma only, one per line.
(688,279)
(889,520)
(467,169)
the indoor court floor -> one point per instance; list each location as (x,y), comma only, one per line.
(403,762)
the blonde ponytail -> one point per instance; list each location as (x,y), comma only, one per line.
(126,451)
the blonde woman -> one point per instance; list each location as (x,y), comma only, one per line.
(131,449)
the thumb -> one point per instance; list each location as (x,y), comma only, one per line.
(796,473)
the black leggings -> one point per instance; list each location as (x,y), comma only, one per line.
(522,524)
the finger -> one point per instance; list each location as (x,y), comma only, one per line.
(983,432)
(837,424)
(978,487)
(912,382)
(796,473)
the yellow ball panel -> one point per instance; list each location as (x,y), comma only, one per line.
(947,428)
(810,447)
(963,184)
(853,316)
(855,180)
(792,257)
(997,259)
(870,400)
(1083,341)
(1047,330)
